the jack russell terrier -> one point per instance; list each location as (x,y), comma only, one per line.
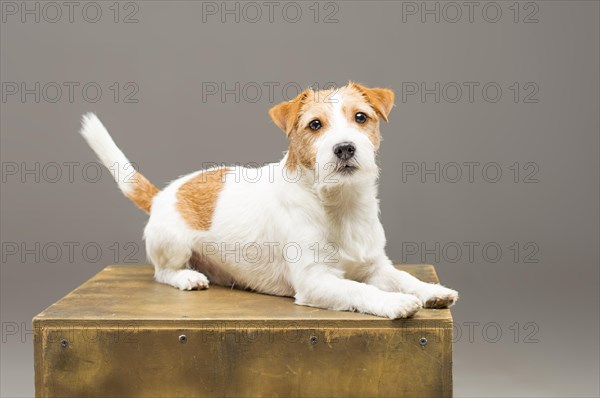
(306,227)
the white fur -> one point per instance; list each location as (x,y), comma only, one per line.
(107,151)
(317,239)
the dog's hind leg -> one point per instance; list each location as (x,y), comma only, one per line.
(171,263)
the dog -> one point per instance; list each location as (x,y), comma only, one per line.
(307,228)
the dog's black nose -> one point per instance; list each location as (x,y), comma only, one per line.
(344,150)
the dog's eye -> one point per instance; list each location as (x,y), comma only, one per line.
(360,117)
(315,125)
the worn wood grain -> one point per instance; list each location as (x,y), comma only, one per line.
(118,334)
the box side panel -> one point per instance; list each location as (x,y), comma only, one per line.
(247,361)
(37,355)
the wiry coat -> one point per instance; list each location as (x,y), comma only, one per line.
(307,226)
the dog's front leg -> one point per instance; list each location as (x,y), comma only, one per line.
(385,276)
(323,287)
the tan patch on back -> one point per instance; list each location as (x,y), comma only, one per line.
(142,193)
(197,198)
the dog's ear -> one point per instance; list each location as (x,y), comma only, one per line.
(285,115)
(382,99)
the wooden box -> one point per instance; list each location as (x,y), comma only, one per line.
(122,334)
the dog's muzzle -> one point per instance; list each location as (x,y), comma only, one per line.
(344,150)
(346,163)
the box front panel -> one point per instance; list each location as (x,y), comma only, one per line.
(250,360)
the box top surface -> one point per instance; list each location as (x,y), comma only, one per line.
(129,294)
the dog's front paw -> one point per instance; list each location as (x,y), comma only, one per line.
(437,296)
(401,305)
(188,279)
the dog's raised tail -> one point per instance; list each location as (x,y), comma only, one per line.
(132,183)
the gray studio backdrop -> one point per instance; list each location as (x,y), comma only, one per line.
(489,164)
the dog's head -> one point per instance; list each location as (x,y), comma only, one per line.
(334,132)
